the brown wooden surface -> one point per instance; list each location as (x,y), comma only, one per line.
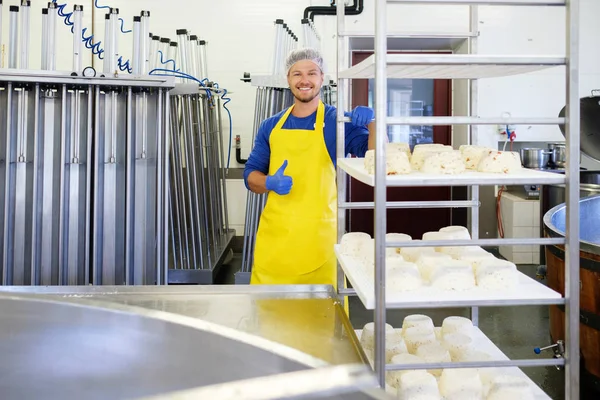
(413,222)
(590,302)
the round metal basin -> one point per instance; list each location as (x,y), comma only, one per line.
(589,224)
(91,350)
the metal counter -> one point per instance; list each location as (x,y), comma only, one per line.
(306,318)
(178,342)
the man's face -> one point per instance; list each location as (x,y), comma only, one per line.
(305,80)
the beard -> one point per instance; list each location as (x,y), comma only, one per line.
(304,99)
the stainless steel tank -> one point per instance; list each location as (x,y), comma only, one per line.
(76,348)
(589,211)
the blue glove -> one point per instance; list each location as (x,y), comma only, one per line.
(361,115)
(279,183)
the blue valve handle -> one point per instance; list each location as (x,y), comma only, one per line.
(538,350)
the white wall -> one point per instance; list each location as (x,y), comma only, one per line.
(240,37)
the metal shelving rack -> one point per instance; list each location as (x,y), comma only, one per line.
(472,67)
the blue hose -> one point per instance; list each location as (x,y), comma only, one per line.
(125,66)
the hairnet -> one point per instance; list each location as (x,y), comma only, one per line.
(304,54)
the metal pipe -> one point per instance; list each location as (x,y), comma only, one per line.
(108,54)
(160,200)
(477,364)
(114,42)
(24,33)
(183,42)
(13,36)
(144,47)
(193,53)
(410,204)
(99,160)
(51,40)
(62,271)
(475,236)
(88,179)
(167,200)
(7,271)
(202,157)
(173,51)
(203,44)
(154,56)
(380,185)
(437,121)
(130,193)
(572,232)
(1,29)
(77,35)
(136,58)
(191,165)
(35,220)
(479,242)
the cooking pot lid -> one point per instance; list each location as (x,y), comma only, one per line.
(590,125)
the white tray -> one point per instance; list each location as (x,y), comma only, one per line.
(529,292)
(482,343)
(355,168)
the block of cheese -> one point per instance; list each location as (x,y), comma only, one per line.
(396,237)
(475,259)
(445,162)
(428,262)
(456,324)
(418,336)
(495,274)
(457,232)
(436,235)
(433,353)
(394,345)
(417,320)
(422,151)
(485,374)
(438,333)
(403,147)
(367,338)
(461,384)
(412,254)
(402,276)
(500,162)
(453,275)
(510,387)
(393,377)
(418,385)
(457,344)
(472,155)
(396,162)
(367,256)
(353,244)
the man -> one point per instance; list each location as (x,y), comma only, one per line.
(293,160)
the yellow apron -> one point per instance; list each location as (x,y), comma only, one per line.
(297,231)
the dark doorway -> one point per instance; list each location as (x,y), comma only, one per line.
(418,98)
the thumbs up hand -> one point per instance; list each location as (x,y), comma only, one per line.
(279,183)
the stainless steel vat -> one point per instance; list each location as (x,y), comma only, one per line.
(589,212)
(589,185)
(90,342)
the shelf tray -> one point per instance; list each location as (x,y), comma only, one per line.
(355,168)
(451,66)
(482,343)
(529,292)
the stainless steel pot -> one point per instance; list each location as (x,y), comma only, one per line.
(535,158)
(589,185)
(558,155)
(590,125)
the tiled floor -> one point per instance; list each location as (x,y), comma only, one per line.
(515,330)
